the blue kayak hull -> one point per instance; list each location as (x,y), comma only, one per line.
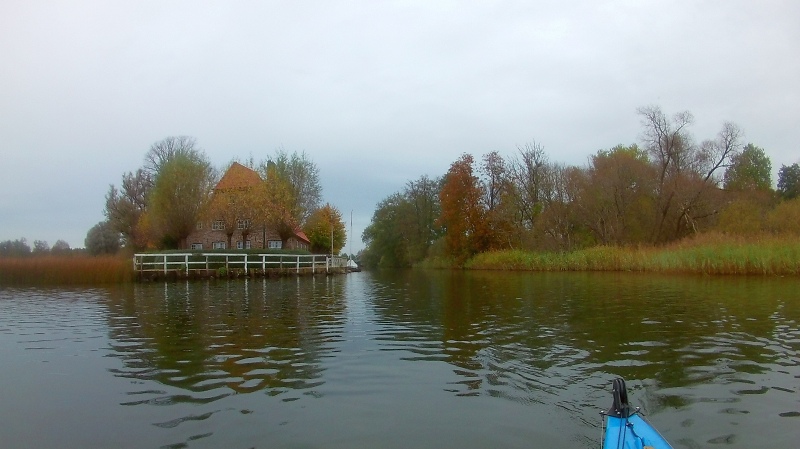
(632,432)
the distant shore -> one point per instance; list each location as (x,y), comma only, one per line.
(708,254)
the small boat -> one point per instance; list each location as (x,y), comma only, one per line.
(626,428)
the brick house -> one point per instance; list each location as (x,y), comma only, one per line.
(213,233)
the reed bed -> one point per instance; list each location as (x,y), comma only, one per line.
(705,254)
(65,270)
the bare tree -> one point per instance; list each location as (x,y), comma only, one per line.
(686,172)
(124,207)
(165,150)
(528,172)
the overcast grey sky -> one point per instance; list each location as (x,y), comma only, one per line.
(376,93)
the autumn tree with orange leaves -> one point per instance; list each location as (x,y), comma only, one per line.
(464,216)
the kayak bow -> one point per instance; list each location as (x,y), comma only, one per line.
(626,428)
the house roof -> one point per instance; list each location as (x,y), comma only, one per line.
(237,177)
(301,235)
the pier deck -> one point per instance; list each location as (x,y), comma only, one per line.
(148,265)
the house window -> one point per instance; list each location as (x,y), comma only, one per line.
(199,225)
(243,245)
(243,224)
(218,245)
(218,225)
(197,246)
(274,244)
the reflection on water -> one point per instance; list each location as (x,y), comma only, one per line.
(408,359)
(218,339)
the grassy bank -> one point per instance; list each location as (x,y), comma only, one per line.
(65,270)
(705,254)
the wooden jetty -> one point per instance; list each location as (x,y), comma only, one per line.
(225,265)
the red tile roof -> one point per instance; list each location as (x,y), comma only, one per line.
(238,176)
(302,235)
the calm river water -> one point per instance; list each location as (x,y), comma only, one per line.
(411,359)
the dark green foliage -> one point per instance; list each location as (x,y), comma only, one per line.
(749,170)
(15,248)
(102,239)
(403,227)
(789,181)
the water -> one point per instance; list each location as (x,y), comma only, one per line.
(399,360)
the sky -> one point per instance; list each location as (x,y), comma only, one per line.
(376,93)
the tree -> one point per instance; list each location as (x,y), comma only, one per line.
(302,178)
(463,215)
(181,192)
(102,238)
(15,248)
(749,170)
(60,247)
(498,201)
(685,172)
(278,209)
(125,207)
(741,217)
(41,247)
(615,195)
(527,171)
(558,223)
(165,150)
(785,218)
(386,236)
(789,181)
(418,224)
(323,225)
(404,226)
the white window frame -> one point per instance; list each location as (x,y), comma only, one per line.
(275,244)
(218,225)
(197,246)
(243,245)
(219,245)
(199,225)
(243,224)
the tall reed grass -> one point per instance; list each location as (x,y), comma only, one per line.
(65,270)
(704,254)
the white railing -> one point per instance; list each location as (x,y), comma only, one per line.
(189,262)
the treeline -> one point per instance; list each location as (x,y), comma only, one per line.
(668,188)
(20,248)
(160,204)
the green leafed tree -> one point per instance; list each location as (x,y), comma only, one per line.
(301,176)
(15,248)
(181,192)
(404,226)
(41,247)
(418,223)
(386,237)
(326,230)
(750,169)
(789,181)
(60,247)
(102,238)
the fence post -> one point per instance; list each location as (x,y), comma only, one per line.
(165,264)
(298,264)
